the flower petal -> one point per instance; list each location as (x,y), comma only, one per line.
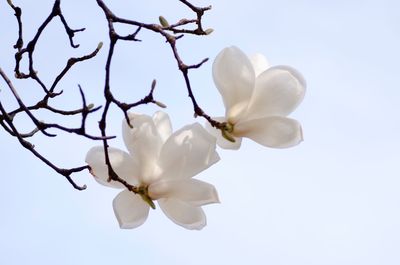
(129,208)
(183,214)
(234,77)
(122,163)
(187,152)
(278,91)
(192,191)
(144,141)
(259,62)
(163,124)
(221,141)
(275,131)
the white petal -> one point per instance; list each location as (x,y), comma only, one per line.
(122,163)
(129,208)
(279,90)
(144,141)
(183,214)
(163,124)
(275,131)
(221,141)
(187,152)
(259,62)
(225,144)
(192,191)
(234,77)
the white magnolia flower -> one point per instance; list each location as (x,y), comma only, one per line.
(257,100)
(161,165)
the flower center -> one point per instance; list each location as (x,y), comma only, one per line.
(227,131)
(143,191)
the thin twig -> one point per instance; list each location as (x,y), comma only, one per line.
(171,33)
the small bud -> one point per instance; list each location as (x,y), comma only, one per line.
(209,31)
(228,127)
(160,104)
(228,136)
(153,84)
(195,115)
(10,2)
(90,106)
(99,45)
(148,200)
(163,22)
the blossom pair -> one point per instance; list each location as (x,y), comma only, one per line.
(161,163)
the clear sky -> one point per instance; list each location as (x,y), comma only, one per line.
(334,199)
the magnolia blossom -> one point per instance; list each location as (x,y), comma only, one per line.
(257,99)
(161,164)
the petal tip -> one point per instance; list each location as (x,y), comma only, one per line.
(130,210)
(197,226)
(301,134)
(227,145)
(215,196)
(259,62)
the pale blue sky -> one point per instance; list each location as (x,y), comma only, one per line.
(334,199)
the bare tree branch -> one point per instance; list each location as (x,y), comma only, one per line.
(170,33)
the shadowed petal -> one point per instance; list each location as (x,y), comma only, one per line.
(129,208)
(144,141)
(183,214)
(259,62)
(275,131)
(192,191)
(225,144)
(234,77)
(163,124)
(221,141)
(122,163)
(187,152)
(278,92)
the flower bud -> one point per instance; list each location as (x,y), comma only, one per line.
(163,22)
(209,31)
(228,136)
(99,45)
(160,104)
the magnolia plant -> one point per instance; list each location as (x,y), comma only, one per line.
(159,165)
(257,99)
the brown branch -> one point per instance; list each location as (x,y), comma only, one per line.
(18,12)
(114,37)
(7,118)
(70,63)
(62,171)
(30,47)
(168,32)
(110,99)
(112,18)
(22,105)
(70,32)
